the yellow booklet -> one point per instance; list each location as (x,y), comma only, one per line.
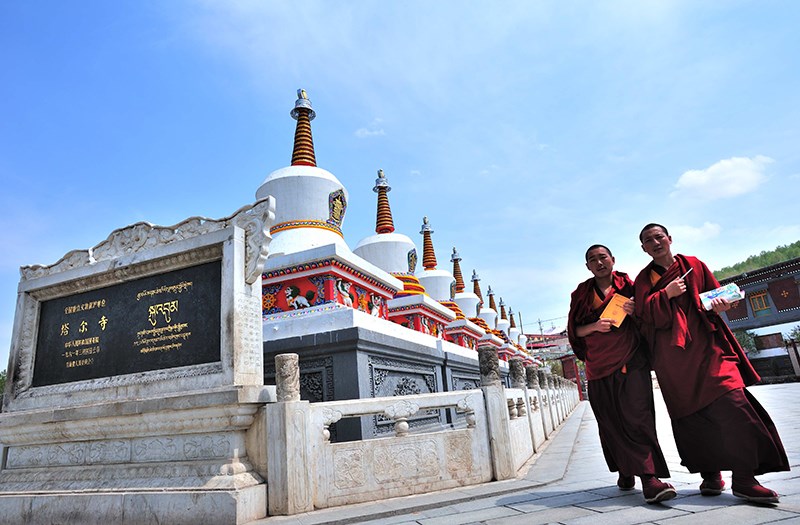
(614,311)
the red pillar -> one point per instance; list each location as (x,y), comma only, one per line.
(569,364)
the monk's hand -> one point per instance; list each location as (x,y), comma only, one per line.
(603,325)
(676,288)
(628,307)
(719,305)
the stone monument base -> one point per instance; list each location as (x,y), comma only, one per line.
(176,459)
(189,507)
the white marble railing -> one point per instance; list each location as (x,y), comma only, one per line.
(407,463)
(502,429)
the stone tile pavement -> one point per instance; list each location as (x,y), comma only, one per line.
(568,483)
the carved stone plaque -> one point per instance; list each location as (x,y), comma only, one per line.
(162,321)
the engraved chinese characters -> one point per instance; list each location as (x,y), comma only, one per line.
(157,322)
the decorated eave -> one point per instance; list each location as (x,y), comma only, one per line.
(329,258)
(467,327)
(421,304)
(327,275)
(492,339)
(453,307)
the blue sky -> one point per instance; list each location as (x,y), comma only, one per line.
(525,131)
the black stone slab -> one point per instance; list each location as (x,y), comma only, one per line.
(153,323)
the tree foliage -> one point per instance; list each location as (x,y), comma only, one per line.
(794,333)
(747,340)
(2,382)
(555,367)
(780,254)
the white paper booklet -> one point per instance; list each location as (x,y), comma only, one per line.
(731,292)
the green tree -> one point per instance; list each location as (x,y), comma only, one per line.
(754,262)
(747,339)
(2,382)
(555,367)
(794,333)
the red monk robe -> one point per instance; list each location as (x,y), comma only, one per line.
(620,388)
(702,371)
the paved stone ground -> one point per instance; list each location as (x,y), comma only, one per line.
(569,483)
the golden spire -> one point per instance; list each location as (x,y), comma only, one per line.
(303,153)
(511,315)
(384,223)
(491,299)
(503,310)
(428,255)
(456,258)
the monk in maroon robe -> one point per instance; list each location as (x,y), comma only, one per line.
(620,388)
(703,371)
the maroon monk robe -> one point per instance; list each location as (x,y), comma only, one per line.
(620,389)
(603,352)
(694,353)
(702,371)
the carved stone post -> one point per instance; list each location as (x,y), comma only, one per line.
(547,409)
(567,393)
(489,365)
(496,413)
(287,377)
(551,387)
(560,397)
(535,415)
(517,372)
(289,461)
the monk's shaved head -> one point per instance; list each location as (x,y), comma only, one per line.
(652,225)
(594,247)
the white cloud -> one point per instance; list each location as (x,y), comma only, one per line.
(489,170)
(725,178)
(374,129)
(694,234)
(364,132)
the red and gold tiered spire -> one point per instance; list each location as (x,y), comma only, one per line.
(455,259)
(511,315)
(503,310)
(492,304)
(384,223)
(303,153)
(428,255)
(476,286)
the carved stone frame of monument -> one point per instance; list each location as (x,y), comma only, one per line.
(174,444)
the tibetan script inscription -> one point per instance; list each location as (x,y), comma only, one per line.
(157,322)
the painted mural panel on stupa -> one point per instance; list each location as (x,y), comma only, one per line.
(292,295)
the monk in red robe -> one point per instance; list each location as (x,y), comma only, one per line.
(703,371)
(620,388)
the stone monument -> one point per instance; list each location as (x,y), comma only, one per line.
(136,375)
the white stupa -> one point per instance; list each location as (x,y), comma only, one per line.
(436,282)
(310,201)
(503,324)
(467,301)
(392,252)
(489,313)
(513,332)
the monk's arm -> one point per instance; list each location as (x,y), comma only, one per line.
(601,325)
(653,308)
